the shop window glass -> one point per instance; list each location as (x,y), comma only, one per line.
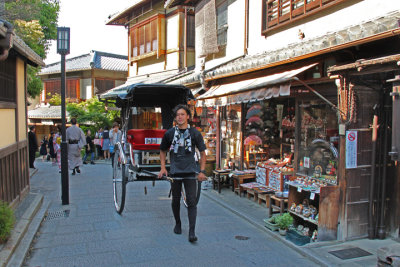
(319,141)
(231,136)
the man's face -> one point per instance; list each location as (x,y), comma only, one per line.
(181,117)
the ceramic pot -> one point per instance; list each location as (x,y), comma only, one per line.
(282,232)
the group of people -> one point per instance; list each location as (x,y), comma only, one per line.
(50,148)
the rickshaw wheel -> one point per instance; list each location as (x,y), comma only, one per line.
(120,180)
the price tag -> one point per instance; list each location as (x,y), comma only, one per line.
(299,189)
(312,196)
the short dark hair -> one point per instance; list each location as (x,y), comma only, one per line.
(73,121)
(32,127)
(184,107)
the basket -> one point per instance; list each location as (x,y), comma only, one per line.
(296,238)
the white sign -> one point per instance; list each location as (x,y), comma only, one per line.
(306,162)
(351,149)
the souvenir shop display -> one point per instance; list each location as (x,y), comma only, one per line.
(204,120)
(230,136)
(275,173)
(269,130)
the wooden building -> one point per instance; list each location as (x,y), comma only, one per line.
(279,53)
(14,165)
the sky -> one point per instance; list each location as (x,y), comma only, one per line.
(86,19)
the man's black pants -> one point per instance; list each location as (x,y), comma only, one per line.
(31,158)
(191,188)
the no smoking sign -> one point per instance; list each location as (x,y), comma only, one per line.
(351,149)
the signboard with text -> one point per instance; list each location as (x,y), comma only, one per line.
(351,149)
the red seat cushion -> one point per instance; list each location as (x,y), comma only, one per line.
(137,138)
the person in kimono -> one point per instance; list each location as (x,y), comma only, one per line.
(76,141)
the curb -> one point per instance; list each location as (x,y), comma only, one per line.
(261,227)
(19,230)
(32,172)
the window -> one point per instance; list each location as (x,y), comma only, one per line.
(280,12)
(7,80)
(54,87)
(222,23)
(103,85)
(144,37)
(190,31)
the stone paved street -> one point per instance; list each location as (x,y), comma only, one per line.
(91,233)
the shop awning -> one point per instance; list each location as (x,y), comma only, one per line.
(251,90)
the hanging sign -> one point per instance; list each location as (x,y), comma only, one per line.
(351,149)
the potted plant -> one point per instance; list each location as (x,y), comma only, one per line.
(284,221)
(7,221)
(271,223)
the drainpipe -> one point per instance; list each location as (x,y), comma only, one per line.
(381,227)
(246,27)
(7,42)
(371,231)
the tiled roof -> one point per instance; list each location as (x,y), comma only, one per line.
(22,48)
(94,59)
(326,42)
(50,112)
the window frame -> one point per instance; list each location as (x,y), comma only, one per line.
(146,48)
(8,80)
(68,81)
(285,14)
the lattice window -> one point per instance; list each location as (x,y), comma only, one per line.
(72,89)
(144,37)
(7,80)
(280,12)
(104,85)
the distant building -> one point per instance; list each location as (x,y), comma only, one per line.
(87,75)
(15,56)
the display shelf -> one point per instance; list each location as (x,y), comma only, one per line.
(325,202)
(304,218)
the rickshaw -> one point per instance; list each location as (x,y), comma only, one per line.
(136,155)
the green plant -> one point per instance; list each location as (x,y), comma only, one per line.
(7,221)
(284,221)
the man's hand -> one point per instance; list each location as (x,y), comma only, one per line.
(201,177)
(162,173)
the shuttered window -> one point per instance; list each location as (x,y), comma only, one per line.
(7,80)
(53,87)
(277,13)
(144,37)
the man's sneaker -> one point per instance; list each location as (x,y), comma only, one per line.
(92,162)
(84,162)
(78,170)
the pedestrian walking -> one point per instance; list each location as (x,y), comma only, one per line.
(98,141)
(76,141)
(106,143)
(57,147)
(115,137)
(89,148)
(33,146)
(43,148)
(182,141)
(51,147)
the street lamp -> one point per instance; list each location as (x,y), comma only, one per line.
(63,34)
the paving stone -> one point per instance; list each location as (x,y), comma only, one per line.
(68,251)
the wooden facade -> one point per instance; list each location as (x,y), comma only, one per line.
(14,165)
